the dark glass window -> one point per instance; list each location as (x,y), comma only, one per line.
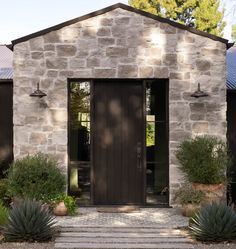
(156,143)
(79,138)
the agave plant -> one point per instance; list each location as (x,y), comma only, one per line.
(3,214)
(214,222)
(29,221)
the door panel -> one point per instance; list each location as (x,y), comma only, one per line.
(118,155)
(6,125)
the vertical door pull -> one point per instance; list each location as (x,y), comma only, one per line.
(139,156)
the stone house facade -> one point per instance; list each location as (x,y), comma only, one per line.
(118,42)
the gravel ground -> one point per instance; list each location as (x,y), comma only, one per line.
(215,246)
(27,245)
(51,246)
(164,217)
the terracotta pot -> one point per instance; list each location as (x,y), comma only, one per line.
(189,210)
(213,192)
(60,209)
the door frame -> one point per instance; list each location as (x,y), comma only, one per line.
(143,83)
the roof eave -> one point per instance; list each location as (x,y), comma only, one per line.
(230,44)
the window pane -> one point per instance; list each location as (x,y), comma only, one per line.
(157,183)
(156,143)
(156,100)
(79,140)
(80,121)
(150,134)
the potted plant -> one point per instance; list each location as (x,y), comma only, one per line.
(63,204)
(189,198)
(204,161)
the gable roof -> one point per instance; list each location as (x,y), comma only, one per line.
(125,7)
(231,68)
(6,57)
(6,61)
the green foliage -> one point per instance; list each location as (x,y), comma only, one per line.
(3,215)
(180,10)
(4,196)
(150,134)
(29,221)
(79,104)
(201,14)
(69,201)
(187,195)
(208,17)
(233,33)
(214,222)
(35,177)
(151,6)
(204,160)
(4,165)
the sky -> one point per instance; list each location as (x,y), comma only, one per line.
(23,17)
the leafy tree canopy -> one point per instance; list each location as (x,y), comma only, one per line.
(233,33)
(201,14)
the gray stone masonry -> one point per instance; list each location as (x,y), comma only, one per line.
(117,44)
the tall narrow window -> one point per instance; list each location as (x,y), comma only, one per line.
(156,143)
(79,139)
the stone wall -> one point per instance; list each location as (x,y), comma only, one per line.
(117,44)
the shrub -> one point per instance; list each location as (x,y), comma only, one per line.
(3,214)
(4,195)
(214,222)
(187,195)
(29,221)
(35,177)
(204,160)
(69,201)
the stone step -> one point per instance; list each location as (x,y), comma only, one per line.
(118,227)
(100,237)
(116,239)
(120,234)
(123,246)
(121,229)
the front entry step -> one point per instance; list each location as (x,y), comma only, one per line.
(78,237)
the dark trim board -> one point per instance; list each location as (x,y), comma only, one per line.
(2,81)
(168,133)
(231,138)
(125,7)
(91,140)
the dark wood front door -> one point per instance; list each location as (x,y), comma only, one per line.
(118,142)
(6,125)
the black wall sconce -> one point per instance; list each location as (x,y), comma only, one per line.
(38,93)
(199,93)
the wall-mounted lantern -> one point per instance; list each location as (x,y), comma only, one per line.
(199,93)
(38,93)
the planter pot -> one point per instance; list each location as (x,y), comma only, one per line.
(214,192)
(60,209)
(189,210)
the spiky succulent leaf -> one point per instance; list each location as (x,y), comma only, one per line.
(29,221)
(214,222)
(3,214)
